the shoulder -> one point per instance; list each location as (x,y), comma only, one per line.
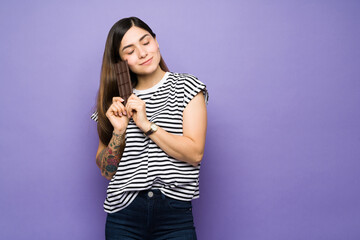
(185,78)
(177,75)
(189,84)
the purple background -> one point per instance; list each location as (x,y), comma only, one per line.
(283,145)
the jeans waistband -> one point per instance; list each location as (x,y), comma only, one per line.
(151,193)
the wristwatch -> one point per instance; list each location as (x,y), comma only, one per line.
(153,128)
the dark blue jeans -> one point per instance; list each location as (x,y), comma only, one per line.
(152,215)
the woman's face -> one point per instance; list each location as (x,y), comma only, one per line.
(140,50)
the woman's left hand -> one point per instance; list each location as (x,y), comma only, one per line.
(136,109)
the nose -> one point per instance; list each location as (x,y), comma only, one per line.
(142,52)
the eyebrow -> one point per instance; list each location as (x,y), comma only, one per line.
(130,45)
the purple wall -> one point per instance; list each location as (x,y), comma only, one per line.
(283,146)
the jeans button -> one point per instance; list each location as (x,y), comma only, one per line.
(150,194)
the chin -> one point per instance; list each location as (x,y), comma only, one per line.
(145,71)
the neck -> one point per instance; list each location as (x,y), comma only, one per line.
(149,80)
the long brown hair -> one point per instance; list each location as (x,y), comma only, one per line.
(108,84)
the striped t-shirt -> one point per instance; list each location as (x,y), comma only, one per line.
(143,164)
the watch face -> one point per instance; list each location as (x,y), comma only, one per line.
(153,127)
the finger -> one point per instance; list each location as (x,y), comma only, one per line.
(133,102)
(133,97)
(116,111)
(110,112)
(128,109)
(117,99)
(121,107)
(131,109)
(138,105)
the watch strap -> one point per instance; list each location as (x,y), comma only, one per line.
(148,133)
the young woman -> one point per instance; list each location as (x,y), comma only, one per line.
(151,148)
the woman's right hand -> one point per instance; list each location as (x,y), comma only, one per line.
(117,115)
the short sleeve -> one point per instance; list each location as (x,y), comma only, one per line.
(94,116)
(192,86)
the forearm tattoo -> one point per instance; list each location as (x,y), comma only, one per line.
(109,158)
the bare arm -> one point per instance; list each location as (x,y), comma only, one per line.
(190,146)
(108,157)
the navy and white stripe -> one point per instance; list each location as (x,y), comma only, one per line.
(94,116)
(143,164)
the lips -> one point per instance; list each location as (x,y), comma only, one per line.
(146,62)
